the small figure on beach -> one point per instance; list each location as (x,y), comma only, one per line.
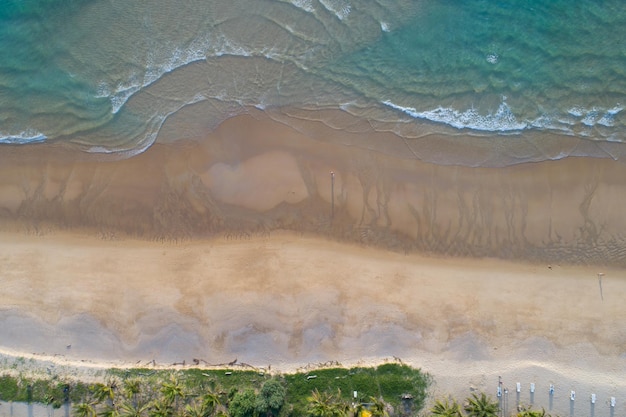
(600,275)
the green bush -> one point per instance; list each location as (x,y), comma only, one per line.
(243,404)
(271,398)
(8,388)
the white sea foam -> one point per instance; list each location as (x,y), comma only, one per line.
(306,5)
(576,111)
(27,136)
(225,46)
(340,8)
(577,120)
(595,115)
(502,120)
(384,26)
(157,65)
(493,58)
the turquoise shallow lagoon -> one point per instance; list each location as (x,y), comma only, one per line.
(114,76)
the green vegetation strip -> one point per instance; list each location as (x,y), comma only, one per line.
(45,391)
(234,392)
(391,382)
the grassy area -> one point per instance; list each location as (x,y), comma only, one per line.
(223,380)
(391,382)
(44,391)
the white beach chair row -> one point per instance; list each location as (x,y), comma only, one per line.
(572,395)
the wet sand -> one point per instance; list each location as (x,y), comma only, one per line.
(228,247)
(253,176)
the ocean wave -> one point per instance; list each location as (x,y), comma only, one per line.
(595,115)
(306,5)
(27,136)
(161,62)
(156,67)
(502,120)
(339,8)
(578,120)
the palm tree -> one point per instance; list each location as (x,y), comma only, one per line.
(195,410)
(161,409)
(133,410)
(110,411)
(482,406)
(84,409)
(378,407)
(132,387)
(172,391)
(446,409)
(320,404)
(527,412)
(210,402)
(102,392)
(323,404)
(360,410)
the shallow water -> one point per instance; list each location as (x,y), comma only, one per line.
(115,76)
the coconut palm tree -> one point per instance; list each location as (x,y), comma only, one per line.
(443,408)
(172,391)
(161,408)
(105,392)
(110,411)
(128,409)
(482,406)
(527,412)
(378,407)
(84,409)
(211,402)
(323,404)
(132,388)
(320,404)
(360,410)
(195,410)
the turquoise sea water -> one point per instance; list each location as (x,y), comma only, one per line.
(115,76)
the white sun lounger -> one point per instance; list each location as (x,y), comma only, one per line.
(613,402)
(572,395)
(532,387)
(593,398)
(519,387)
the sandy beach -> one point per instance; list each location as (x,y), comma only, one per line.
(238,245)
(290,300)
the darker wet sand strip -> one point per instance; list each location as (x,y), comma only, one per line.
(250,177)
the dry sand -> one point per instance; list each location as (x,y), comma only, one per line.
(224,248)
(289,300)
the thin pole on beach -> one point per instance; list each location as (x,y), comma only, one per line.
(600,275)
(506,402)
(500,399)
(332,195)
